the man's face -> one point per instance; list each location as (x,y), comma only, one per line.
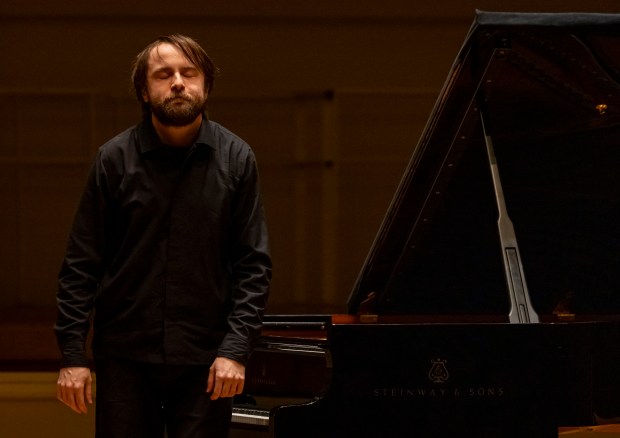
(174,87)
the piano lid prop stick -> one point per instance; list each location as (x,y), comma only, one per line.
(521,309)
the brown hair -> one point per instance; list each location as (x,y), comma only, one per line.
(192,51)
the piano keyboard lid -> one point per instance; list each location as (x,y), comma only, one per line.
(544,87)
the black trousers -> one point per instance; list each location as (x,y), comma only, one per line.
(142,400)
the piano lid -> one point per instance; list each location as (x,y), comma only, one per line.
(547,87)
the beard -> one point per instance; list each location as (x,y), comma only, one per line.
(170,112)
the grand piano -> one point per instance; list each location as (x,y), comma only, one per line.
(489,302)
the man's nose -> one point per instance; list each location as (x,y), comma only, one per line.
(177,81)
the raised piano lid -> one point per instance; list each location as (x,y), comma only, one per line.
(548,88)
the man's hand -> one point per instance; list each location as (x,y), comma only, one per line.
(226,378)
(74,388)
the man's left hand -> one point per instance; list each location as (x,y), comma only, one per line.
(226,378)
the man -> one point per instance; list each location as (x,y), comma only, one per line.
(169,254)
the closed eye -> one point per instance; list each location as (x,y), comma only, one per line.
(163,73)
(190,72)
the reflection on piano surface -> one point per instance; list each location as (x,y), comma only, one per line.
(489,303)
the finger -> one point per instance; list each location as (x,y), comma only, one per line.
(74,395)
(74,398)
(217,390)
(211,380)
(226,387)
(69,400)
(234,390)
(79,400)
(89,391)
(59,394)
(64,395)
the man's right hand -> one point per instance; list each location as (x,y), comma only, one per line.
(74,388)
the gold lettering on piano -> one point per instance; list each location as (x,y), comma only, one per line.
(486,392)
(440,393)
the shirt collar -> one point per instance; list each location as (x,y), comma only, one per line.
(148,140)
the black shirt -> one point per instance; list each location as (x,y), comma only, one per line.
(169,248)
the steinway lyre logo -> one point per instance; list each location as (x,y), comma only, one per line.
(438,372)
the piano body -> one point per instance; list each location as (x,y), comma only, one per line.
(489,303)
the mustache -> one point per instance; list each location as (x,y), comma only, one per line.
(178,96)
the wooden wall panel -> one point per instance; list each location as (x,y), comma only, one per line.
(52,127)
(48,197)
(258,57)
(45,152)
(9,229)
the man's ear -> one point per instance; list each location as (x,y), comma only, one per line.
(145,96)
